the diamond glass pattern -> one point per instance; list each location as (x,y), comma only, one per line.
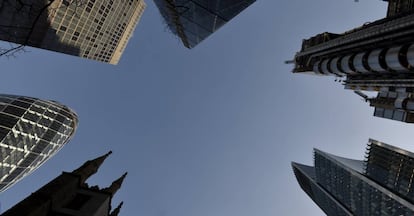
(31,131)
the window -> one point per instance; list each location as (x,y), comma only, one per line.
(8,121)
(3,133)
(31,117)
(14,111)
(26,99)
(45,122)
(398,115)
(56,125)
(48,136)
(388,113)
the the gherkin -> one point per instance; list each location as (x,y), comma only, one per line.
(31,131)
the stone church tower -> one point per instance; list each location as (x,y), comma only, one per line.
(69,195)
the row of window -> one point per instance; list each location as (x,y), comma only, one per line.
(76,33)
(392,169)
(356,193)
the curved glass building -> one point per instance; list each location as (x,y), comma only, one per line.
(31,131)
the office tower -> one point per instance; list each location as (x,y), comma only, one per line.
(91,29)
(194,20)
(377,56)
(31,131)
(379,185)
(69,195)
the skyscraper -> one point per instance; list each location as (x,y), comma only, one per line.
(31,131)
(194,20)
(69,195)
(91,29)
(379,185)
(377,56)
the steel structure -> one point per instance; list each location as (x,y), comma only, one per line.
(377,56)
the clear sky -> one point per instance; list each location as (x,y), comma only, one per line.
(209,131)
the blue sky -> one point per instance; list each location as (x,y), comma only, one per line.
(212,130)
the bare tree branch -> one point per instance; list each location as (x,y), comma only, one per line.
(27,9)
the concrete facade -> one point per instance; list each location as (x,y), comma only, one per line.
(98,30)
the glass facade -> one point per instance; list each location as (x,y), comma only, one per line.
(31,131)
(91,29)
(381,185)
(393,168)
(307,181)
(393,105)
(195,20)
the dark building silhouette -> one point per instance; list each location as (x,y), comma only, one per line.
(31,131)
(69,195)
(399,6)
(379,185)
(194,20)
(377,56)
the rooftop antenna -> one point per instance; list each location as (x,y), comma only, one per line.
(289,61)
(364,96)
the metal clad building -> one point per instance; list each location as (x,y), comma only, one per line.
(377,56)
(380,185)
(31,131)
(194,20)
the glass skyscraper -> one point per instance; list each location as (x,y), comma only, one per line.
(31,131)
(379,185)
(194,20)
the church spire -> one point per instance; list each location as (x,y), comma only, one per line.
(116,211)
(115,185)
(90,167)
